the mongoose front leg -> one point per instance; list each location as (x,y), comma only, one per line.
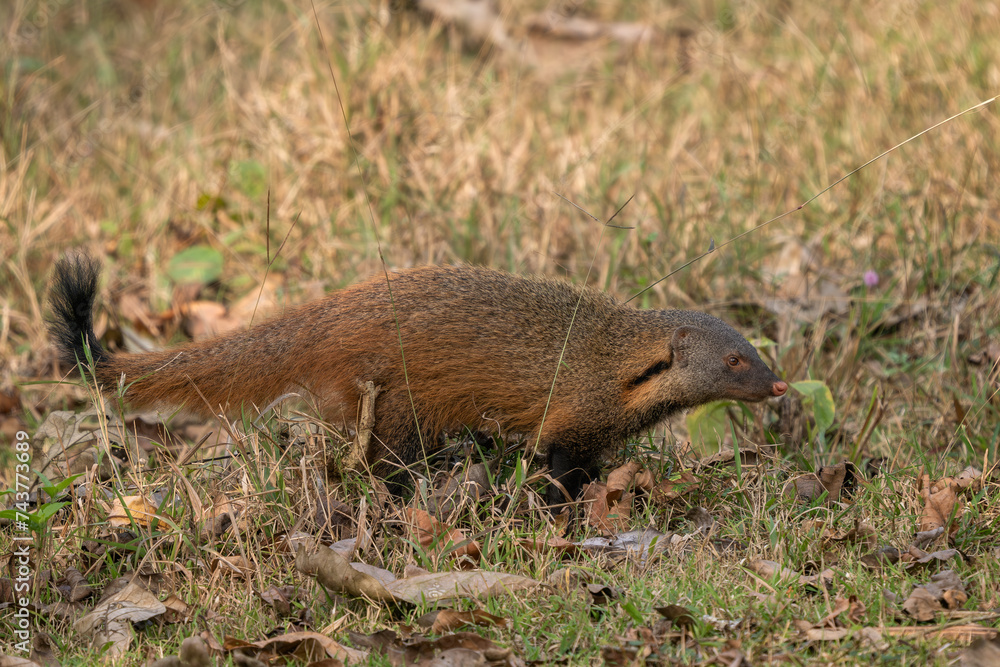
(572,471)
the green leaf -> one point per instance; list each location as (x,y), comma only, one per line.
(249,177)
(817,397)
(708,425)
(55,490)
(197,264)
(633,612)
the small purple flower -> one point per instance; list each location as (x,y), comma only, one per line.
(871,279)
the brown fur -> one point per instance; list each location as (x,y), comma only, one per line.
(480,349)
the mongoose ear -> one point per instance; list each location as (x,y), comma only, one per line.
(680,345)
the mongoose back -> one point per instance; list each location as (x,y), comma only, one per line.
(481,348)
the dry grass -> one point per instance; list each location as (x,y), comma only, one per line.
(135,129)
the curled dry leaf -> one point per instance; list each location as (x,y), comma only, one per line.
(75,587)
(884,556)
(620,480)
(682,617)
(141,510)
(305,646)
(811,486)
(671,489)
(335,573)
(111,620)
(194,652)
(439,537)
(449,620)
(915,558)
(940,508)
(944,591)
(459,649)
(984,652)
(603,513)
(461,488)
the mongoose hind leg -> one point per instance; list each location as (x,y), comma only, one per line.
(397,442)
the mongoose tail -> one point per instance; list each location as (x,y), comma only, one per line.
(220,375)
(481,350)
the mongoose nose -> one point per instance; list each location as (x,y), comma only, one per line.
(779,388)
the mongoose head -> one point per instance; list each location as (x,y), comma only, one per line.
(705,360)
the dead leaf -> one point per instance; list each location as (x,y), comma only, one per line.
(620,480)
(676,487)
(940,507)
(141,511)
(459,649)
(885,555)
(682,617)
(810,487)
(74,587)
(335,573)
(448,620)
(305,646)
(438,537)
(603,514)
(945,591)
(982,653)
(111,620)
(447,586)
(232,565)
(460,489)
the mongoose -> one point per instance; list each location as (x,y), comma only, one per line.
(455,346)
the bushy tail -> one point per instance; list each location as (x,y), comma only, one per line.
(241,368)
(72,300)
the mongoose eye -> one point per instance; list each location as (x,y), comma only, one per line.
(734,361)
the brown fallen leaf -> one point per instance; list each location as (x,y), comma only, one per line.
(603,514)
(440,538)
(335,573)
(984,652)
(448,586)
(194,652)
(462,488)
(810,487)
(305,646)
(941,507)
(681,617)
(141,510)
(178,611)
(620,480)
(944,591)
(449,620)
(456,650)
(74,586)
(674,488)
(111,620)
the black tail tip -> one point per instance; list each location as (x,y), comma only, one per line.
(74,288)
